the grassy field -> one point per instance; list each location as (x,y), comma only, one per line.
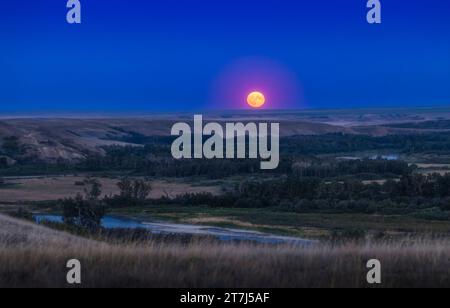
(59,187)
(33,256)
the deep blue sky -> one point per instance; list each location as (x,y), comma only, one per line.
(186,55)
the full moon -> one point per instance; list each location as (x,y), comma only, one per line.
(256,100)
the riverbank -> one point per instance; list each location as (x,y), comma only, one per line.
(317,226)
(177,229)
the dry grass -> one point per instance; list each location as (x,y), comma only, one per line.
(33,256)
(54,188)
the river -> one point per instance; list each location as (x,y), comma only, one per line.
(223,234)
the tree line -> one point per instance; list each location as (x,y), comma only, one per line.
(427,196)
(153,157)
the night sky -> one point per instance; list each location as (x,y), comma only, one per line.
(167,55)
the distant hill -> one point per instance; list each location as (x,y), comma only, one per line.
(72,139)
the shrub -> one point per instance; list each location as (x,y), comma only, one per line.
(132,193)
(93,189)
(83,213)
(22,214)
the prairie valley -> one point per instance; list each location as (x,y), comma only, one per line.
(46,158)
(366,177)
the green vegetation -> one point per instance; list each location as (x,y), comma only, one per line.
(11,146)
(85,212)
(132,193)
(279,221)
(315,180)
(154,159)
(414,195)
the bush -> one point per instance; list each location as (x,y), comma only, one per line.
(83,213)
(22,214)
(11,146)
(93,188)
(132,193)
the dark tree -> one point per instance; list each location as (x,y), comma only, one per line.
(83,213)
(133,192)
(93,189)
(11,146)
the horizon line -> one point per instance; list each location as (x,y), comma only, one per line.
(146,112)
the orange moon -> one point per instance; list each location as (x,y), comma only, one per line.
(256,99)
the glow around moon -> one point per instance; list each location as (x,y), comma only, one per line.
(256,100)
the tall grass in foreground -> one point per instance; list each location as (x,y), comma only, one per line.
(33,256)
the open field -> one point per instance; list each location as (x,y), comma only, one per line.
(59,187)
(33,256)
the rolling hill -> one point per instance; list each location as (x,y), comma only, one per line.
(71,139)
